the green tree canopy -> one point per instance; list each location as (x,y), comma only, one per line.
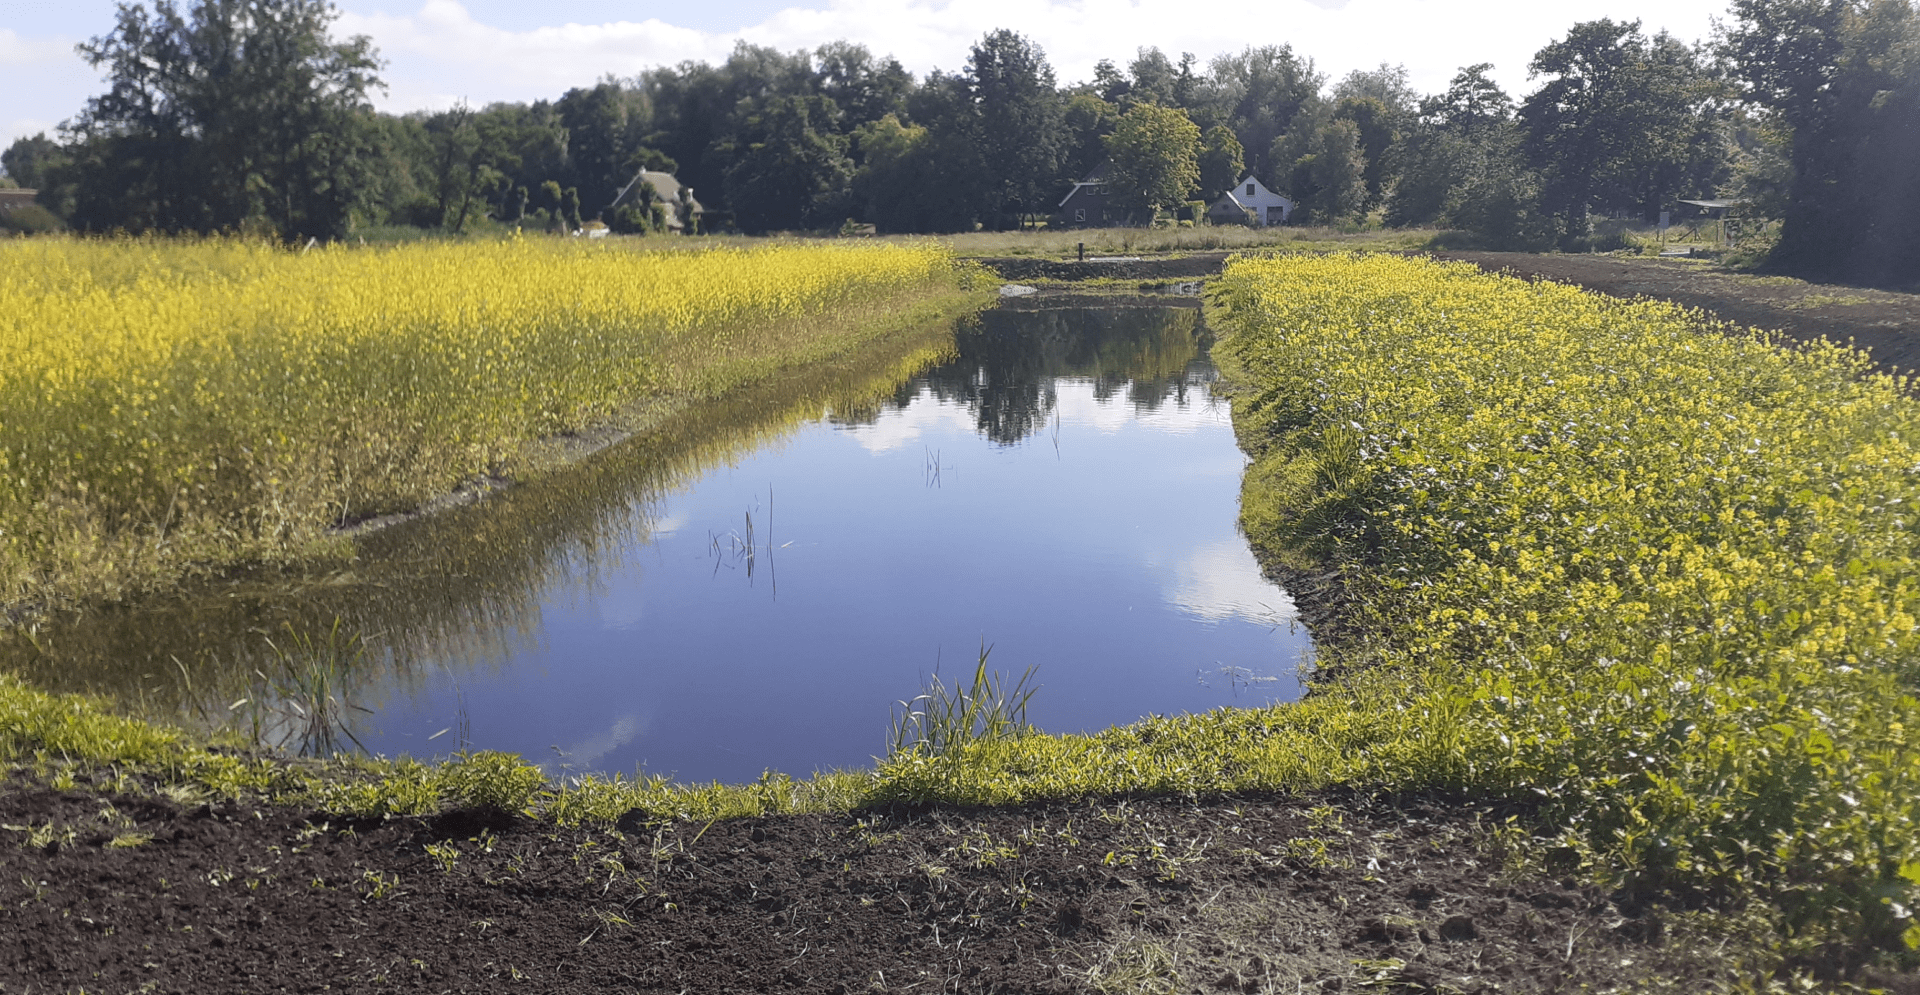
(1840,82)
(1616,121)
(233,112)
(792,175)
(1156,157)
(1222,162)
(1019,115)
(31,160)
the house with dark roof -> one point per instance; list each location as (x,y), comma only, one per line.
(13,197)
(683,212)
(1090,203)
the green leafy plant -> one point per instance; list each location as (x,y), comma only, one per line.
(943,720)
(491,780)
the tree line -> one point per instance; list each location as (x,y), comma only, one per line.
(247,115)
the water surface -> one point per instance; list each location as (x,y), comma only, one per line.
(755,592)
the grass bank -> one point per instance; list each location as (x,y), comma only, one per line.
(173,406)
(1654,582)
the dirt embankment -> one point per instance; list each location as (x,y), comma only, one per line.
(1236,895)
(1186,267)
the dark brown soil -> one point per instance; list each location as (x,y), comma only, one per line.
(1238,895)
(1147,267)
(1883,322)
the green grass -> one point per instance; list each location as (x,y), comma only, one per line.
(1653,578)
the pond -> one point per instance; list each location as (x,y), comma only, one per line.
(1052,482)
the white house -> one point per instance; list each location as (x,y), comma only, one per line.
(1250,202)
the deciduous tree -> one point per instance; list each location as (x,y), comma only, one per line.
(228,113)
(1156,157)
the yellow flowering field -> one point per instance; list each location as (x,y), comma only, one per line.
(166,403)
(1653,577)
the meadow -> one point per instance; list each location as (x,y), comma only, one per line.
(1647,580)
(177,406)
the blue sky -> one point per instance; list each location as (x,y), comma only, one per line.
(440,51)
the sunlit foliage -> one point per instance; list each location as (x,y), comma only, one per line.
(165,403)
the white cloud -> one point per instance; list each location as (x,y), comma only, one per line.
(586,752)
(1078,405)
(904,426)
(441,52)
(21,52)
(45,83)
(1223,581)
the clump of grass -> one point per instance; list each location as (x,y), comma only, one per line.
(944,721)
(308,697)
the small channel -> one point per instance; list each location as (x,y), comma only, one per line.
(1050,479)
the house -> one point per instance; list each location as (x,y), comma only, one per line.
(13,197)
(1090,202)
(683,212)
(1249,202)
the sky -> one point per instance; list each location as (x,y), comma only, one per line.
(442,51)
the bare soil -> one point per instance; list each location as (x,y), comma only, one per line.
(1269,894)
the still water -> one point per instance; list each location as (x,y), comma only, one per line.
(1059,485)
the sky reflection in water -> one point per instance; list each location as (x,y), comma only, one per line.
(1065,492)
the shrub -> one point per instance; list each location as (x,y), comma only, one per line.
(30,219)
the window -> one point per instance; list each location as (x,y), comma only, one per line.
(1079,214)
(1249,188)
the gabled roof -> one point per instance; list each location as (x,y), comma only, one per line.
(666,185)
(1095,176)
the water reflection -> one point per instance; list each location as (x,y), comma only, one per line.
(461,589)
(1057,482)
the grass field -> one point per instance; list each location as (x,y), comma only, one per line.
(166,405)
(1653,582)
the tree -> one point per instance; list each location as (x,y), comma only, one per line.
(863,88)
(604,126)
(1389,85)
(30,161)
(1327,177)
(1258,92)
(792,175)
(552,201)
(1613,123)
(233,113)
(1472,101)
(1839,81)
(1222,162)
(472,161)
(1156,157)
(1088,120)
(1377,134)
(1019,114)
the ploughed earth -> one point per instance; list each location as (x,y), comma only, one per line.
(148,891)
(143,892)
